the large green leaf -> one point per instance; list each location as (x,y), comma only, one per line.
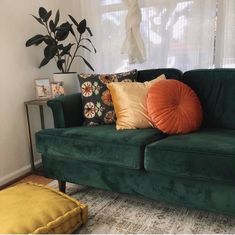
(60,64)
(62,31)
(57,17)
(50,51)
(47,16)
(39,20)
(66,25)
(52,26)
(42,12)
(35,40)
(87,63)
(61,34)
(66,49)
(73,20)
(44,62)
(87,39)
(85,47)
(82,27)
(72,31)
(49,40)
(89,31)
(60,47)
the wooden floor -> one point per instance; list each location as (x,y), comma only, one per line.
(35,179)
(30,178)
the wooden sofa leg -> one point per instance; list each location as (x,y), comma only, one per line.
(62,186)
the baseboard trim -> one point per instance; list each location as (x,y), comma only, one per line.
(16,175)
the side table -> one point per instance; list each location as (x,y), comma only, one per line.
(40,104)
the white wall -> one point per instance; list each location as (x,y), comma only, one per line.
(18,69)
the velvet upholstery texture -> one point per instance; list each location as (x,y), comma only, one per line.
(100,144)
(189,192)
(216,91)
(150,74)
(208,154)
(194,170)
(67,110)
(174,107)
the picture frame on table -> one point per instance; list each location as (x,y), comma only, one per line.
(57,89)
(43,88)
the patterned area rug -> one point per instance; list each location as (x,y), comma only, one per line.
(111,212)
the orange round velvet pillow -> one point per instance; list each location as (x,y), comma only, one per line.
(173,107)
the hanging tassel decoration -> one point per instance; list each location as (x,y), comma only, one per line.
(133,44)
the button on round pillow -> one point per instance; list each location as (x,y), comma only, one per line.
(173,107)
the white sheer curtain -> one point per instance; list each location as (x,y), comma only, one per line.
(176,33)
(179,34)
(225,36)
(107,21)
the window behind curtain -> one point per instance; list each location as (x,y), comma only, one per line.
(228,34)
(178,34)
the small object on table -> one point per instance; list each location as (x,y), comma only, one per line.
(57,89)
(40,104)
(43,88)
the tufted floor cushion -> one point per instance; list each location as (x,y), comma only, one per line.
(97,144)
(208,154)
(32,208)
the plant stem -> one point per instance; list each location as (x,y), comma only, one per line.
(65,64)
(75,52)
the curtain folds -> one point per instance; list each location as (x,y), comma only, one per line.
(225,43)
(185,34)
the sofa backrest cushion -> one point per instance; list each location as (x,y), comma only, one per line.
(216,91)
(150,74)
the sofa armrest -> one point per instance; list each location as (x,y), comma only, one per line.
(67,110)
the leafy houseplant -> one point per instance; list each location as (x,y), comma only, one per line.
(55,40)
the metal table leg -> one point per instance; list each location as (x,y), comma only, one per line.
(30,139)
(42,117)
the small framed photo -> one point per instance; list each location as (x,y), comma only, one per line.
(43,88)
(57,89)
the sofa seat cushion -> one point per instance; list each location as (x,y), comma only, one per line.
(100,144)
(208,154)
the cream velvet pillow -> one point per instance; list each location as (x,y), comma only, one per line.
(129,100)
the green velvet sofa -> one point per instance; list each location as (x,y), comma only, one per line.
(195,170)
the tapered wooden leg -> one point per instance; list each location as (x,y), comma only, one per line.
(62,186)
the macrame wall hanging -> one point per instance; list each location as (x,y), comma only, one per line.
(133,44)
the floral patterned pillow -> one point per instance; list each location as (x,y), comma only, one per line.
(96,98)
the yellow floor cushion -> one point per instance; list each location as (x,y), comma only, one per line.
(34,208)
